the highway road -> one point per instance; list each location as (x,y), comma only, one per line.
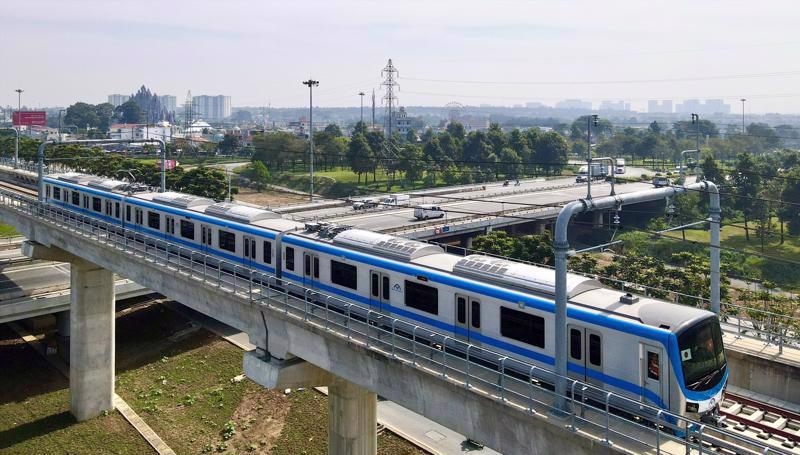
(493,199)
(22,280)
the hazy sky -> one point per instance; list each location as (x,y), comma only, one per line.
(62,51)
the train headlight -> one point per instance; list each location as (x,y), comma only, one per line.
(692,407)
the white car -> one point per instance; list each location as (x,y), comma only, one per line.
(427,211)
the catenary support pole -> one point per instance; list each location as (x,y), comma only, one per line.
(311,83)
(561,247)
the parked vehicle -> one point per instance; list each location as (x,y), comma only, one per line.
(620,166)
(428,211)
(365,203)
(396,199)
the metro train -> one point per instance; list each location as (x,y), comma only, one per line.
(654,352)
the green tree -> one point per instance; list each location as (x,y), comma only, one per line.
(129,112)
(230,144)
(361,157)
(333,130)
(411,135)
(550,150)
(577,131)
(746,184)
(259,174)
(276,148)
(411,163)
(456,130)
(496,242)
(686,129)
(205,182)
(790,214)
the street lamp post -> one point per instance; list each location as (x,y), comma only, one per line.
(590,119)
(361,94)
(696,122)
(743,100)
(59,123)
(19,117)
(311,83)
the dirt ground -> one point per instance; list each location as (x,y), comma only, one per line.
(269,198)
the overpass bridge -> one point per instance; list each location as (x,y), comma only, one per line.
(303,343)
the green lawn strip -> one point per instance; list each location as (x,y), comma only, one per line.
(7,231)
(306,430)
(34,411)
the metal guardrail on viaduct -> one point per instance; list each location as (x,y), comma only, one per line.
(358,352)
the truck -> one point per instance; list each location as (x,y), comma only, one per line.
(599,172)
(619,166)
(396,199)
(365,203)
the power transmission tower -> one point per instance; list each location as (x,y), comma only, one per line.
(390,99)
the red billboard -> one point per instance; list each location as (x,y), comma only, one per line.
(30,118)
(170,164)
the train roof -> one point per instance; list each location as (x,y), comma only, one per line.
(240,213)
(389,245)
(181,200)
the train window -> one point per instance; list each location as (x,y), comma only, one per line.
(385,288)
(97,204)
(267,252)
(422,297)
(307,264)
(595,357)
(461,310)
(47,191)
(344,274)
(128,213)
(56,193)
(575,344)
(376,285)
(289,258)
(521,326)
(116,210)
(187,229)
(476,314)
(653,370)
(76,198)
(154,220)
(227,241)
(316,267)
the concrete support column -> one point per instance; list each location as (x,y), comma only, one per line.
(539,227)
(91,366)
(62,324)
(466,242)
(352,423)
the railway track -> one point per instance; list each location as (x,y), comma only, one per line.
(770,424)
(19,189)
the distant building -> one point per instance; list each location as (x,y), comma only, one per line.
(709,107)
(168,102)
(574,104)
(401,123)
(212,108)
(608,105)
(117,99)
(534,105)
(659,107)
(137,131)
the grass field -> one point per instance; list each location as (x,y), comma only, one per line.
(7,231)
(34,411)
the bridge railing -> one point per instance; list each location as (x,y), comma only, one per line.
(774,328)
(492,374)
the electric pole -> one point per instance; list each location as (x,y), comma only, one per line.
(743,100)
(19,121)
(361,94)
(311,83)
(590,119)
(391,74)
(373,109)
(696,122)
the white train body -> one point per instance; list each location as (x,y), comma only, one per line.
(667,355)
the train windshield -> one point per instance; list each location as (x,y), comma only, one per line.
(702,355)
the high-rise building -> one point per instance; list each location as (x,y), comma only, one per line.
(214,108)
(709,107)
(574,104)
(608,105)
(401,121)
(168,102)
(117,99)
(659,107)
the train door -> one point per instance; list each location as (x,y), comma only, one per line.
(310,270)
(468,318)
(380,289)
(205,237)
(249,252)
(169,225)
(653,374)
(585,353)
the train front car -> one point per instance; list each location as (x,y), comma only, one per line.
(703,367)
